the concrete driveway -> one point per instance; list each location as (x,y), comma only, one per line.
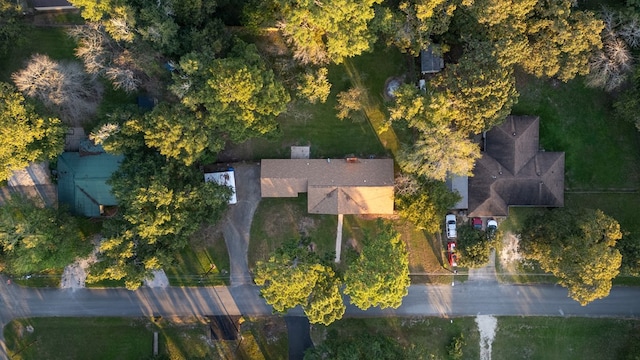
(236,225)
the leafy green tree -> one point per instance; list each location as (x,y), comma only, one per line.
(314,86)
(576,246)
(480,92)
(156,25)
(380,274)
(25,137)
(438,153)
(411,26)
(561,40)
(547,38)
(35,238)
(431,154)
(350,102)
(177,133)
(235,98)
(162,203)
(627,106)
(473,247)
(423,202)
(95,10)
(294,276)
(11,28)
(327,31)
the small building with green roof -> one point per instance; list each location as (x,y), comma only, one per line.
(82,182)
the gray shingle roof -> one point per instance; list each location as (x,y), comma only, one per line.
(514,172)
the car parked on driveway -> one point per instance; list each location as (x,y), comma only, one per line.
(451,254)
(476,222)
(492,227)
(452,231)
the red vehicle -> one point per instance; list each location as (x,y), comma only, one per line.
(476,222)
(451,252)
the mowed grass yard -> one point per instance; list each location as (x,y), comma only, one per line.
(544,338)
(50,41)
(541,338)
(602,154)
(132,338)
(550,338)
(317,125)
(601,150)
(278,220)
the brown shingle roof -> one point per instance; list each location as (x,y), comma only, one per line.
(335,186)
(513,171)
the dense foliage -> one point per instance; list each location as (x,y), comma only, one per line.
(11,28)
(26,136)
(423,202)
(473,247)
(578,247)
(34,238)
(380,274)
(162,203)
(294,276)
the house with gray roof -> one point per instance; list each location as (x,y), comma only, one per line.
(334,186)
(514,171)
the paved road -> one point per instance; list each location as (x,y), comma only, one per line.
(459,300)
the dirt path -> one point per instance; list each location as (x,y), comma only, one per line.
(487,325)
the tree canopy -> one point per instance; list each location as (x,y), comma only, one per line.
(578,247)
(26,136)
(233,98)
(473,247)
(327,31)
(423,202)
(11,28)
(35,238)
(380,274)
(162,203)
(294,276)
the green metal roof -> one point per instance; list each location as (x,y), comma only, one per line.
(82,181)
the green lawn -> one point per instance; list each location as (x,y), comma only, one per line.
(193,264)
(132,338)
(420,337)
(544,338)
(317,125)
(548,338)
(51,41)
(279,219)
(601,151)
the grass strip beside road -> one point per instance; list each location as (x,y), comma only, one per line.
(132,338)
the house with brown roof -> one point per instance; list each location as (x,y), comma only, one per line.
(514,171)
(334,186)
